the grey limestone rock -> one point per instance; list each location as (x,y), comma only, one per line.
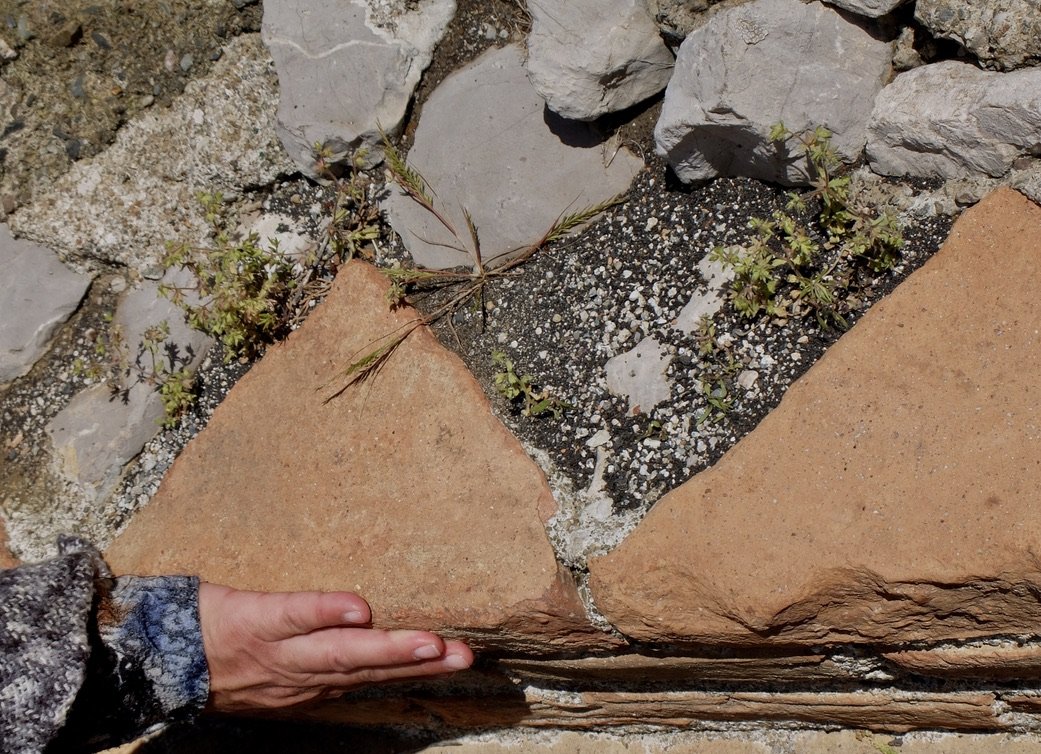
(37,294)
(639,375)
(869,8)
(707,298)
(1002,34)
(98,432)
(486,142)
(347,68)
(756,64)
(588,58)
(953,120)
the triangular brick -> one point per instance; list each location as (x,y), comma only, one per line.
(892,496)
(405,488)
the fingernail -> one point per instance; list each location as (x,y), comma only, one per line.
(426,652)
(455,662)
(353,616)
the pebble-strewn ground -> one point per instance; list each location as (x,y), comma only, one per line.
(627,277)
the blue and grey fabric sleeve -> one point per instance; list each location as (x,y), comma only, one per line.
(89,661)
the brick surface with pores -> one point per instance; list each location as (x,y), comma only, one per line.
(892,496)
(405,488)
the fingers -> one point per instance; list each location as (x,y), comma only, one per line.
(358,659)
(270,650)
(347,649)
(285,615)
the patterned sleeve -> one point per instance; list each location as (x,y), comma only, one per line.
(90,661)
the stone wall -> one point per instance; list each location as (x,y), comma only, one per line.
(865,558)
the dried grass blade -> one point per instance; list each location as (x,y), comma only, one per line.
(373,361)
(472,227)
(412,182)
(564,224)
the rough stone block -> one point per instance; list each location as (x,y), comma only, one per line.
(971,662)
(759,63)
(590,58)
(217,136)
(953,120)
(37,294)
(514,165)
(642,670)
(1002,34)
(347,68)
(891,497)
(405,488)
(882,710)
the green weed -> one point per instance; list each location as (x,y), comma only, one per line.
(521,388)
(156,363)
(806,259)
(242,286)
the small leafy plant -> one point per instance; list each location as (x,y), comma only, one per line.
(719,366)
(241,290)
(521,388)
(354,220)
(806,259)
(653,431)
(157,363)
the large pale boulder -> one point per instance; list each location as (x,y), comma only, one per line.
(1002,34)
(891,497)
(486,144)
(587,58)
(404,488)
(756,64)
(952,120)
(37,294)
(346,68)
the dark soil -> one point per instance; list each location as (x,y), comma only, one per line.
(84,68)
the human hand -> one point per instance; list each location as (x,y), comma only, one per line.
(283,648)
